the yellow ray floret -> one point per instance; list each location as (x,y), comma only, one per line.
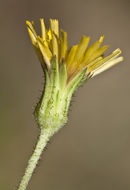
(32,32)
(43,29)
(54,25)
(47,55)
(94,51)
(106,63)
(55,45)
(63,45)
(78,57)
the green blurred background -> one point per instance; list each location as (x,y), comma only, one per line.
(92,152)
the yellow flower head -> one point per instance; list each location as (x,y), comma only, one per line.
(78,57)
(65,70)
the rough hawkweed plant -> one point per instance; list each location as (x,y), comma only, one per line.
(65,70)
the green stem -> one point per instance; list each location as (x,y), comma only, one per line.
(41,144)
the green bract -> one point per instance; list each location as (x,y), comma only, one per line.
(51,112)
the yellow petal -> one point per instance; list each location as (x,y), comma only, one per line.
(92,49)
(31,26)
(101,39)
(112,56)
(82,46)
(70,57)
(44,34)
(63,45)
(43,29)
(54,25)
(32,32)
(55,45)
(94,62)
(33,38)
(96,54)
(45,51)
(79,54)
(106,66)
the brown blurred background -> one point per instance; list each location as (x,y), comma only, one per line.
(92,152)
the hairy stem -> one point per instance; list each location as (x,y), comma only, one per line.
(42,142)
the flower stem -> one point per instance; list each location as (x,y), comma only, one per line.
(41,144)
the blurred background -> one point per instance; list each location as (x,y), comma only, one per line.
(92,151)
